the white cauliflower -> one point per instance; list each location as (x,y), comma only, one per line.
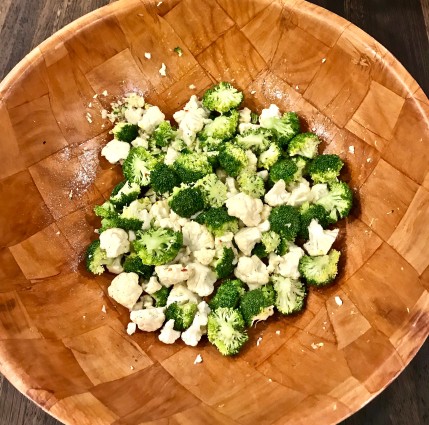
(125,289)
(196,236)
(168,223)
(171,156)
(320,241)
(204,256)
(132,235)
(286,265)
(299,193)
(131,328)
(264,226)
(253,161)
(247,238)
(277,195)
(246,208)
(133,115)
(224,240)
(115,242)
(141,142)
(137,210)
(116,151)
(245,115)
(149,319)
(231,186)
(263,174)
(181,294)
(152,285)
(183,256)
(171,274)
(160,210)
(151,119)
(134,100)
(272,111)
(193,334)
(319,191)
(115,266)
(168,335)
(252,271)
(202,279)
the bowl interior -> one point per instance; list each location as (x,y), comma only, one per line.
(59,347)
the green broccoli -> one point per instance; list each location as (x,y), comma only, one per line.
(228,294)
(269,243)
(125,132)
(290,294)
(284,128)
(254,118)
(192,166)
(210,144)
(320,271)
(161,296)
(135,209)
(163,178)
(105,210)
(124,193)
(186,201)
(259,250)
(251,184)
(222,128)
(257,304)
(138,165)
(96,258)
(284,220)
(269,157)
(222,98)
(182,314)
(325,168)
(134,264)
(283,247)
(257,140)
(225,330)
(286,170)
(157,246)
(308,213)
(233,159)
(178,50)
(218,221)
(338,202)
(224,266)
(213,190)
(118,222)
(304,144)
(302,164)
(163,135)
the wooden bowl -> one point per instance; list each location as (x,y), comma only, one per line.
(58,346)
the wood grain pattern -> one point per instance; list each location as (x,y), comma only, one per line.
(390,318)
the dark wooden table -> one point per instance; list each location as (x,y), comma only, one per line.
(400,25)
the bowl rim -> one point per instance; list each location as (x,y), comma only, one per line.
(86,21)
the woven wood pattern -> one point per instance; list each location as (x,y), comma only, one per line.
(56,344)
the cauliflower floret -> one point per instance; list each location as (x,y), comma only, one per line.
(136,210)
(287,265)
(149,319)
(225,239)
(133,115)
(132,235)
(221,174)
(147,302)
(263,174)
(252,271)
(202,279)
(183,256)
(319,191)
(152,118)
(320,241)
(159,210)
(231,187)
(181,294)
(115,266)
(171,274)
(134,100)
(177,219)
(253,161)
(168,335)
(246,208)
(204,256)
(300,193)
(196,236)
(115,242)
(141,142)
(116,151)
(264,226)
(277,195)
(193,334)
(245,115)
(152,286)
(272,111)
(168,223)
(125,289)
(243,127)
(171,156)
(131,328)
(247,238)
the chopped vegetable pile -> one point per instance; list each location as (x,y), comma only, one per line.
(220,222)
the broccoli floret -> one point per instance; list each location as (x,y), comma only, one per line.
(290,294)
(182,314)
(222,98)
(192,166)
(320,271)
(270,240)
(157,246)
(254,118)
(284,128)
(117,221)
(257,140)
(210,144)
(259,250)
(213,190)
(105,210)
(178,50)
(284,220)
(186,201)
(218,221)
(163,178)
(134,264)
(161,296)
(285,169)
(304,144)
(124,193)
(138,165)
(269,157)
(283,247)
(125,132)
(228,294)
(251,184)
(308,213)
(338,202)
(233,159)
(163,135)
(225,330)
(257,304)
(224,265)
(223,127)
(96,258)
(325,168)
(302,164)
